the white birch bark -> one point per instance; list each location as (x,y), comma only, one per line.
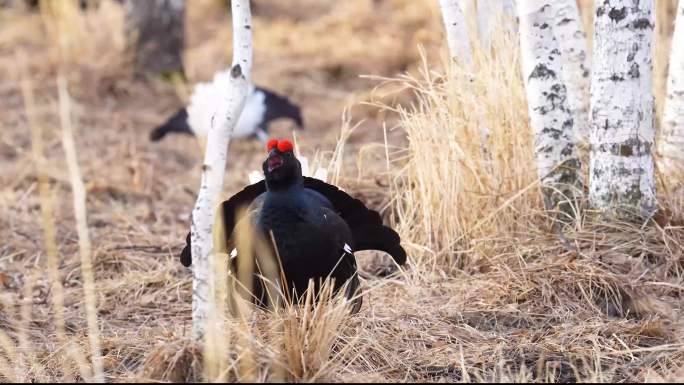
(214,166)
(672,137)
(460,52)
(550,116)
(621,171)
(490,12)
(485,12)
(569,33)
(456,31)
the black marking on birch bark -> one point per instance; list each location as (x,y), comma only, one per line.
(205,167)
(567,150)
(630,147)
(634,71)
(567,125)
(631,55)
(546,149)
(552,98)
(600,10)
(558,88)
(616,78)
(552,132)
(236,71)
(642,23)
(622,172)
(541,71)
(248,26)
(634,193)
(564,21)
(606,123)
(568,171)
(617,14)
(544,26)
(597,172)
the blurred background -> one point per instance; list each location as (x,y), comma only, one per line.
(490,287)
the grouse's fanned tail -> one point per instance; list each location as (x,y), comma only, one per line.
(177,123)
(365,224)
(352,210)
(381,238)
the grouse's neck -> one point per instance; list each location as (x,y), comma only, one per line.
(289,185)
(281,208)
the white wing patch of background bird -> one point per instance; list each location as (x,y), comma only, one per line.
(207,98)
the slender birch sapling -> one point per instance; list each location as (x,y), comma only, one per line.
(213,167)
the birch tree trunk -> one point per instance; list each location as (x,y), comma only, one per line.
(456,31)
(550,115)
(489,14)
(213,168)
(569,33)
(485,10)
(156,29)
(622,104)
(672,137)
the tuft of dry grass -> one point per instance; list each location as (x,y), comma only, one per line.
(491,293)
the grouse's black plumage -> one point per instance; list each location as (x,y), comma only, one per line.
(316,226)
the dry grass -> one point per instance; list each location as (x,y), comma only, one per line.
(491,293)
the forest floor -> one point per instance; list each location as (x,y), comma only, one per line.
(491,291)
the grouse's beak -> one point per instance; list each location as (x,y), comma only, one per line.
(275,160)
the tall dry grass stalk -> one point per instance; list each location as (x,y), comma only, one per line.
(84,245)
(46,205)
(21,363)
(446,190)
(290,343)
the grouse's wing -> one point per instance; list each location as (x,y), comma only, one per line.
(236,205)
(365,224)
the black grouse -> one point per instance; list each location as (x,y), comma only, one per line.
(261,108)
(316,226)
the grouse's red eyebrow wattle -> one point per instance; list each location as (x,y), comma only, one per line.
(271,144)
(285,145)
